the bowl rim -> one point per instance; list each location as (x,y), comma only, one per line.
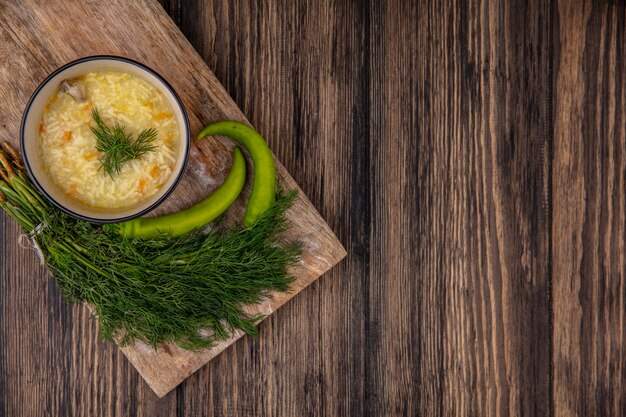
(51,199)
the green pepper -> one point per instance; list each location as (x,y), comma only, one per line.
(195,217)
(264,185)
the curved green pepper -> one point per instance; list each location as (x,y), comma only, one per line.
(264,185)
(195,217)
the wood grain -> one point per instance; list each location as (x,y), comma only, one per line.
(205,101)
(471,157)
(589,207)
(483,140)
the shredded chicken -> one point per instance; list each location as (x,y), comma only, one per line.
(75,89)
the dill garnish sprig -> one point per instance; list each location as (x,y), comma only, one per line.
(190,290)
(117,146)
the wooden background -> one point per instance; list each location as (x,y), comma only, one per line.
(471,156)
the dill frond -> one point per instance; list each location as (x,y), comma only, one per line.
(117,146)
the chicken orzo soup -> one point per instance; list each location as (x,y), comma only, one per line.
(68,146)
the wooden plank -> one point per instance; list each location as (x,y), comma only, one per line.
(39,42)
(398,117)
(589,209)
(482,229)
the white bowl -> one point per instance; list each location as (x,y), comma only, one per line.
(30,149)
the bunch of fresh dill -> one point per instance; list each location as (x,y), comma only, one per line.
(190,290)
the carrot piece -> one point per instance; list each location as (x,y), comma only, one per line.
(155,171)
(141,187)
(67,136)
(73,191)
(90,156)
(169,139)
(163,115)
(42,128)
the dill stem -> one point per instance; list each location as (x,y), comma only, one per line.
(76,246)
(24,184)
(71,250)
(19,217)
(22,204)
(34,204)
(11,194)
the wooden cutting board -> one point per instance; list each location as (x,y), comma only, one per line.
(37,37)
